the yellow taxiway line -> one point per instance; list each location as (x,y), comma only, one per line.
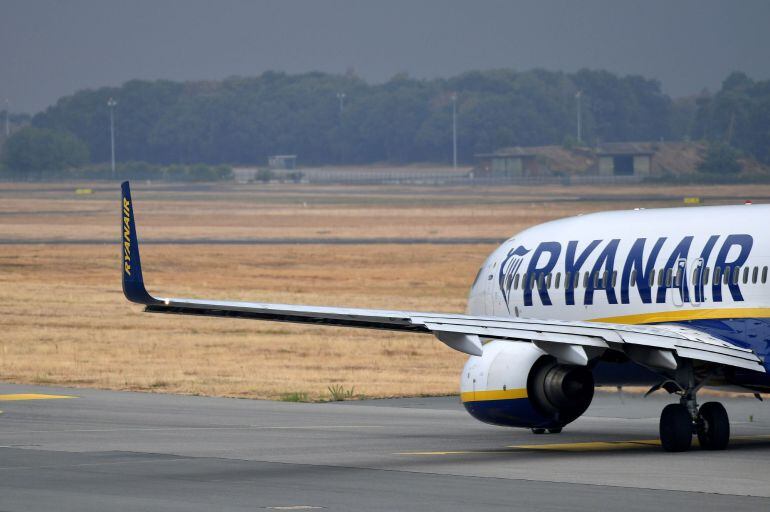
(590,446)
(31,396)
(581,447)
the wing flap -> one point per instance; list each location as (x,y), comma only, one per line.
(722,359)
(520,334)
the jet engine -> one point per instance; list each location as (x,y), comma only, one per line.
(516,384)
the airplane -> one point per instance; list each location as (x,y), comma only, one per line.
(673,298)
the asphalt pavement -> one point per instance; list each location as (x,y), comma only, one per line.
(79,450)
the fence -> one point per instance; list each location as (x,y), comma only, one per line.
(448,176)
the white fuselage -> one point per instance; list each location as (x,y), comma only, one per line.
(640,266)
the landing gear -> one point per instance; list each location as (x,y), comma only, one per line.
(678,422)
(713,426)
(538,431)
(556,430)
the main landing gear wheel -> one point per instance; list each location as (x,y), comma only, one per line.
(556,430)
(713,426)
(538,431)
(676,428)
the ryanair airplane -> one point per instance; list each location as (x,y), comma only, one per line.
(672,298)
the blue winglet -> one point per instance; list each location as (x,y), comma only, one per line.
(131,266)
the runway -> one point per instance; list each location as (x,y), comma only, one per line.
(79,449)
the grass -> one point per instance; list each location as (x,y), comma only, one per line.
(64,319)
(296,396)
(338,393)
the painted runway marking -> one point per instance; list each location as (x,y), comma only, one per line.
(602,446)
(310,427)
(451,453)
(744,439)
(31,396)
(175,429)
(90,464)
(590,446)
(582,447)
(295,507)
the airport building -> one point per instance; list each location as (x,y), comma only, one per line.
(617,160)
(625,159)
(536,161)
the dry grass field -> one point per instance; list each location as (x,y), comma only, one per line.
(64,320)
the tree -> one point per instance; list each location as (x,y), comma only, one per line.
(738,115)
(265,175)
(34,153)
(720,159)
(683,116)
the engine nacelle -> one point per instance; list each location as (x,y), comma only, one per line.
(516,384)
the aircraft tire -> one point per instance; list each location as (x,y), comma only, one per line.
(675,428)
(556,430)
(713,426)
(538,431)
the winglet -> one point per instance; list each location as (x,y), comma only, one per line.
(131,266)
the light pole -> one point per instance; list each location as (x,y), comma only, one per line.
(111,103)
(7,118)
(341,98)
(454,130)
(578,95)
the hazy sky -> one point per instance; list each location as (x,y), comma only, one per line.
(52,48)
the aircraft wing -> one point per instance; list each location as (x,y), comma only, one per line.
(660,347)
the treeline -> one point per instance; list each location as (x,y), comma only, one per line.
(243,120)
(44,154)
